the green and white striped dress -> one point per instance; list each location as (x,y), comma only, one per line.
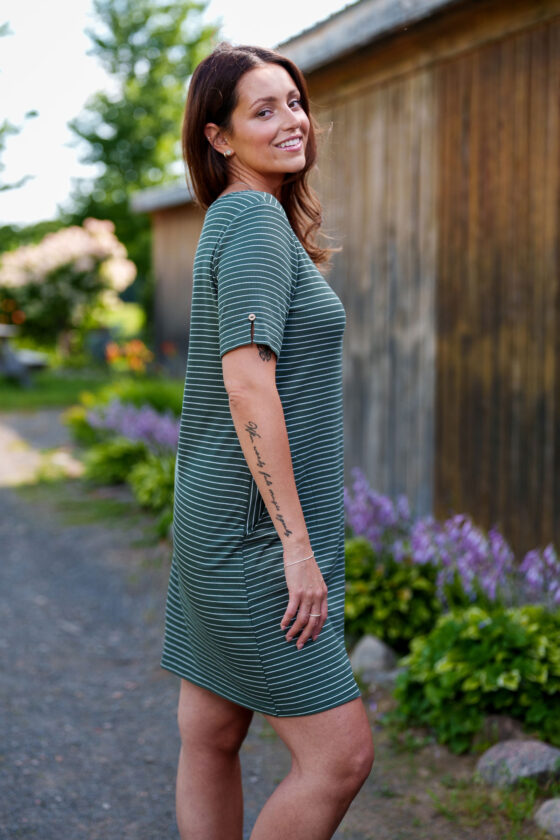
(227,589)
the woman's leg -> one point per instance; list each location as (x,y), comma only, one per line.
(209,793)
(332,755)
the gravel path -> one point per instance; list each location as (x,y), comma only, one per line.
(88,734)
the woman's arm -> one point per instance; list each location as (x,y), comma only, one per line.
(250,380)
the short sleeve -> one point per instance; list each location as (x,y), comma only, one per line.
(254,277)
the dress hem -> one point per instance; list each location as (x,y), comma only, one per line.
(200,683)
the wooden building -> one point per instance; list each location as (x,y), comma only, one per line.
(440,177)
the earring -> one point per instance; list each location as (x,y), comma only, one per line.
(227,153)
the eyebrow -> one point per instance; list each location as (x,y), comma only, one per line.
(267,99)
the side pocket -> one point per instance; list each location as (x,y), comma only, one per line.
(255,508)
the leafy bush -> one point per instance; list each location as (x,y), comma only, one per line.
(54,285)
(161,394)
(152,482)
(393,600)
(112,461)
(81,429)
(479,662)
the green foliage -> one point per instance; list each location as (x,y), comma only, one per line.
(394,601)
(153,480)
(111,462)
(150,48)
(161,394)
(479,662)
(13,236)
(81,430)
(54,285)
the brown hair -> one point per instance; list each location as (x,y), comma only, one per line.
(211,99)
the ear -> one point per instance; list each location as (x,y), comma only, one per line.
(217,139)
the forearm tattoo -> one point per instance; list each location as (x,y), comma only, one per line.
(251,429)
(264,352)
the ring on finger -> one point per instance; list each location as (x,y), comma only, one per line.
(314,615)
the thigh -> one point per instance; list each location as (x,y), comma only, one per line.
(326,738)
(207,720)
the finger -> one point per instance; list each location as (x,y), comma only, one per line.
(302,617)
(322,619)
(300,622)
(290,613)
(307,631)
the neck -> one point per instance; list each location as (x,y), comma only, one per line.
(255,182)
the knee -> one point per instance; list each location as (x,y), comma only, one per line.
(202,733)
(360,762)
(353,766)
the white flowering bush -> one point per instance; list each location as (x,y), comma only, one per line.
(52,286)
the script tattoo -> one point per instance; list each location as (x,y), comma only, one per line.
(264,352)
(251,429)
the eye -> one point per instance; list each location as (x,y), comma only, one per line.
(264,113)
(295,103)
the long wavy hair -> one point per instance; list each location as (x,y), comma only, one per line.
(211,99)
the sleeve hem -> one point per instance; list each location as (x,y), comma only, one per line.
(244,341)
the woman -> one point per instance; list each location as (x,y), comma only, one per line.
(256,595)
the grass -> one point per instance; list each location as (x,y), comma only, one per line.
(50,389)
(508,810)
(79,504)
(61,388)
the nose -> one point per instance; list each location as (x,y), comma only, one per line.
(291,118)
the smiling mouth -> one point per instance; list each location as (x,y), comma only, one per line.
(294,144)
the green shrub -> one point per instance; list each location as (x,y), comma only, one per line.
(162,394)
(81,430)
(112,461)
(152,481)
(479,662)
(395,601)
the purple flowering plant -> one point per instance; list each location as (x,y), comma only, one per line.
(159,431)
(472,566)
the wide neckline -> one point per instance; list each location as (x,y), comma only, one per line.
(240,192)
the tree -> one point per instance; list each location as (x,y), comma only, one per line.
(132,131)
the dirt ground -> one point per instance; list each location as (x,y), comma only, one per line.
(88,739)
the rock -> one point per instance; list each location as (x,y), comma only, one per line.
(509,761)
(548,817)
(374,661)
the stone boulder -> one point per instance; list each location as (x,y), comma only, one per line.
(509,761)
(374,661)
(548,817)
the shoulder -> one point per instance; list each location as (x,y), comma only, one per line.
(247,213)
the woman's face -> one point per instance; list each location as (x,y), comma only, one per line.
(269,128)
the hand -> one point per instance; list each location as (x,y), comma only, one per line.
(308,595)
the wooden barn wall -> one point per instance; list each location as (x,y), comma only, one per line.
(377,185)
(440,179)
(175,235)
(498,291)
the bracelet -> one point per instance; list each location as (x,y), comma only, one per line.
(300,561)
